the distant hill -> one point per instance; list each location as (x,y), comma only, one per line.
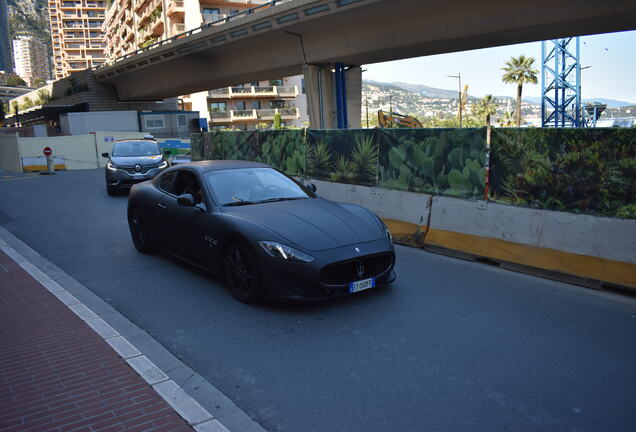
(426,91)
(612,103)
(30,17)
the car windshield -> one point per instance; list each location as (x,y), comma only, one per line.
(252,186)
(136,148)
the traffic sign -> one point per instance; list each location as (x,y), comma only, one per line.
(47,151)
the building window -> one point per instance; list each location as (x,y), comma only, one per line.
(154,122)
(277,104)
(256,105)
(240,105)
(218,106)
(211,11)
(302,83)
(278,82)
(181,121)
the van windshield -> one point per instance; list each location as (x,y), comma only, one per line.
(136,148)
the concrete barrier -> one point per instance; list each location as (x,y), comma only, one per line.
(10,153)
(597,248)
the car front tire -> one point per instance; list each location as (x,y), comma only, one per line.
(111,190)
(139,231)
(242,275)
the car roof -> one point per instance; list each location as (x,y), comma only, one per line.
(217,165)
(136,139)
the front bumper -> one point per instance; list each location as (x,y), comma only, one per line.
(121,178)
(307,281)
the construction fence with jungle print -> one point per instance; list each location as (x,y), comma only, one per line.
(588,170)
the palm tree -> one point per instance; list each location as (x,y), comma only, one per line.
(507,119)
(519,70)
(486,108)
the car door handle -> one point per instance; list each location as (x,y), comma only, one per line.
(163,206)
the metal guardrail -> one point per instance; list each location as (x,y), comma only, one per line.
(225,20)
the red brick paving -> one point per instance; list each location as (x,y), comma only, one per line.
(57,374)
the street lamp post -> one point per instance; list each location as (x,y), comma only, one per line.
(459,77)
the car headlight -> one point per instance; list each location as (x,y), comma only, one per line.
(111,167)
(163,164)
(386,230)
(278,250)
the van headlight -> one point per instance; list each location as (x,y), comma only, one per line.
(111,167)
(162,165)
(279,250)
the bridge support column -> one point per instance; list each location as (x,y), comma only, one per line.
(334,98)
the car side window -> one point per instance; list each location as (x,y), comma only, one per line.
(187,183)
(166,182)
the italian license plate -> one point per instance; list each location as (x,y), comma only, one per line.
(361,285)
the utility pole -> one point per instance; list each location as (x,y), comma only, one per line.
(459,101)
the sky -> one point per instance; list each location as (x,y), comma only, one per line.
(612,75)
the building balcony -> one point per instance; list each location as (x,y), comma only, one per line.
(253,92)
(156,28)
(250,116)
(139,5)
(176,7)
(177,28)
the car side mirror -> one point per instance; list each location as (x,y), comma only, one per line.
(105,155)
(186,200)
(167,152)
(311,187)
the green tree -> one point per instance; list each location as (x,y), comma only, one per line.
(15,81)
(486,108)
(520,70)
(39,82)
(277,119)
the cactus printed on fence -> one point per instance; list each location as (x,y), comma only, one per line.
(439,161)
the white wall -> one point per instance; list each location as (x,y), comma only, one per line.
(78,151)
(82,123)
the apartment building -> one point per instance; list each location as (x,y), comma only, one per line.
(6,63)
(76,33)
(131,24)
(31,59)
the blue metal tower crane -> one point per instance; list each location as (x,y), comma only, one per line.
(561,83)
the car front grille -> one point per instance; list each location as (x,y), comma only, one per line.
(131,170)
(357,269)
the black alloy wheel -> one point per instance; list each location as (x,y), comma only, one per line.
(138,231)
(241,273)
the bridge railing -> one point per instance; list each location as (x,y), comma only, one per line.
(205,26)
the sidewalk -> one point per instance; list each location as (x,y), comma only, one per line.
(58,374)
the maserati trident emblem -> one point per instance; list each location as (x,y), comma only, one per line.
(360,270)
(137,167)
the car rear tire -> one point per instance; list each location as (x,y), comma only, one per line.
(111,190)
(139,231)
(241,273)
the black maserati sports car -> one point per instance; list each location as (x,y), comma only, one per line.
(268,235)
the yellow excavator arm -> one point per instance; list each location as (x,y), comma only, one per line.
(398,120)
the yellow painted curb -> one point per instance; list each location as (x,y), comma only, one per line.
(617,272)
(36,168)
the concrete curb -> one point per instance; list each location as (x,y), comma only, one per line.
(100,316)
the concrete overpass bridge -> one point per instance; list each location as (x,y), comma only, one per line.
(310,36)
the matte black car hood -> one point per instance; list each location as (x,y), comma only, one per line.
(314,224)
(133,160)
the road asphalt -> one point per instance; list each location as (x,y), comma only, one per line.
(450,346)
